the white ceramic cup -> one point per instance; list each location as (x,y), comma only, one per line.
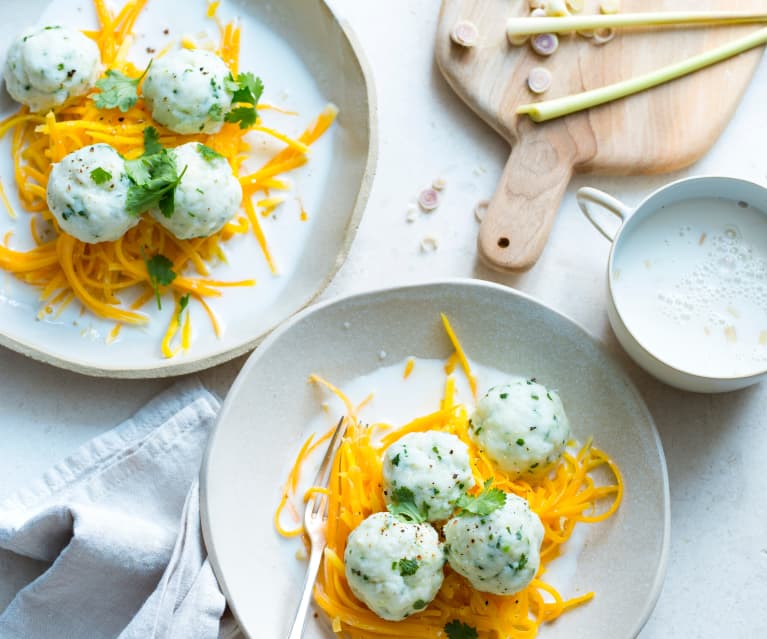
(655,363)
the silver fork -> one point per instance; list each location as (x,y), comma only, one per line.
(315,521)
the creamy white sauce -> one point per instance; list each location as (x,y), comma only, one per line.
(690,282)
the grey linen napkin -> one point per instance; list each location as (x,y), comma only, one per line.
(119,523)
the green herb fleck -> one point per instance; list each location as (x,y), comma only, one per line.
(520,442)
(60,66)
(408,567)
(504,395)
(534,396)
(207,153)
(99,175)
(457,630)
(489,500)
(216,112)
(395,461)
(419,604)
(118,90)
(160,271)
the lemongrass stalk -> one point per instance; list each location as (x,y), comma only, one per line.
(527,26)
(558,107)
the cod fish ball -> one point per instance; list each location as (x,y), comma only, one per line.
(207,196)
(87,194)
(498,553)
(395,568)
(434,466)
(187,92)
(47,66)
(522,426)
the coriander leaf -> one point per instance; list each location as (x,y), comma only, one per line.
(245,115)
(151,184)
(160,271)
(403,506)
(249,89)
(457,630)
(207,153)
(182,304)
(118,90)
(99,175)
(408,567)
(151,141)
(487,501)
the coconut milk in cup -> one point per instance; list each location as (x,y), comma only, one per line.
(688,281)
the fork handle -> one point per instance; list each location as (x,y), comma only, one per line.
(315,558)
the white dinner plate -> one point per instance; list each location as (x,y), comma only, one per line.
(306,59)
(268,412)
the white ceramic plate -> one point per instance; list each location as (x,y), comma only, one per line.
(267,414)
(306,59)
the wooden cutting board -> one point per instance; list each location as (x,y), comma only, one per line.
(663,129)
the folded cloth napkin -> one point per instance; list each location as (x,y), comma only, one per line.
(119,522)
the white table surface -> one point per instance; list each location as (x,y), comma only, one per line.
(715,445)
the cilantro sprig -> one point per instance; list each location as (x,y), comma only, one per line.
(404,508)
(246,92)
(489,500)
(457,630)
(118,91)
(161,273)
(183,302)
(153,176)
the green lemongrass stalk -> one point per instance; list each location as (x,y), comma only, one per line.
(558,107)
(523,26)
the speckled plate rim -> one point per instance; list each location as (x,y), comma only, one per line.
(168,367)
(239,386)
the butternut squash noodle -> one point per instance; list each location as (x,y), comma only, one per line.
(566,496)
(110,279)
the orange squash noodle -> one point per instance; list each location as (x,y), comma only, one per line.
(566,496)
(110,279)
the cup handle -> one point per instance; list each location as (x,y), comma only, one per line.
(588,195)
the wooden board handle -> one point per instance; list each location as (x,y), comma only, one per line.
(520,214)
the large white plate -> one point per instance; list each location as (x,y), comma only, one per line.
(306,59)
(264,421)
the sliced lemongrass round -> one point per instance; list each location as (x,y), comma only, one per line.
(556,8)
(429,244)
(480,209)
(575,5)
(428,199)
(439,184)
(603,36)
(465,34)
(609,6)
(538,13)
(517,40)
(586,33)
(537,4)
(539,80)
(545,43)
